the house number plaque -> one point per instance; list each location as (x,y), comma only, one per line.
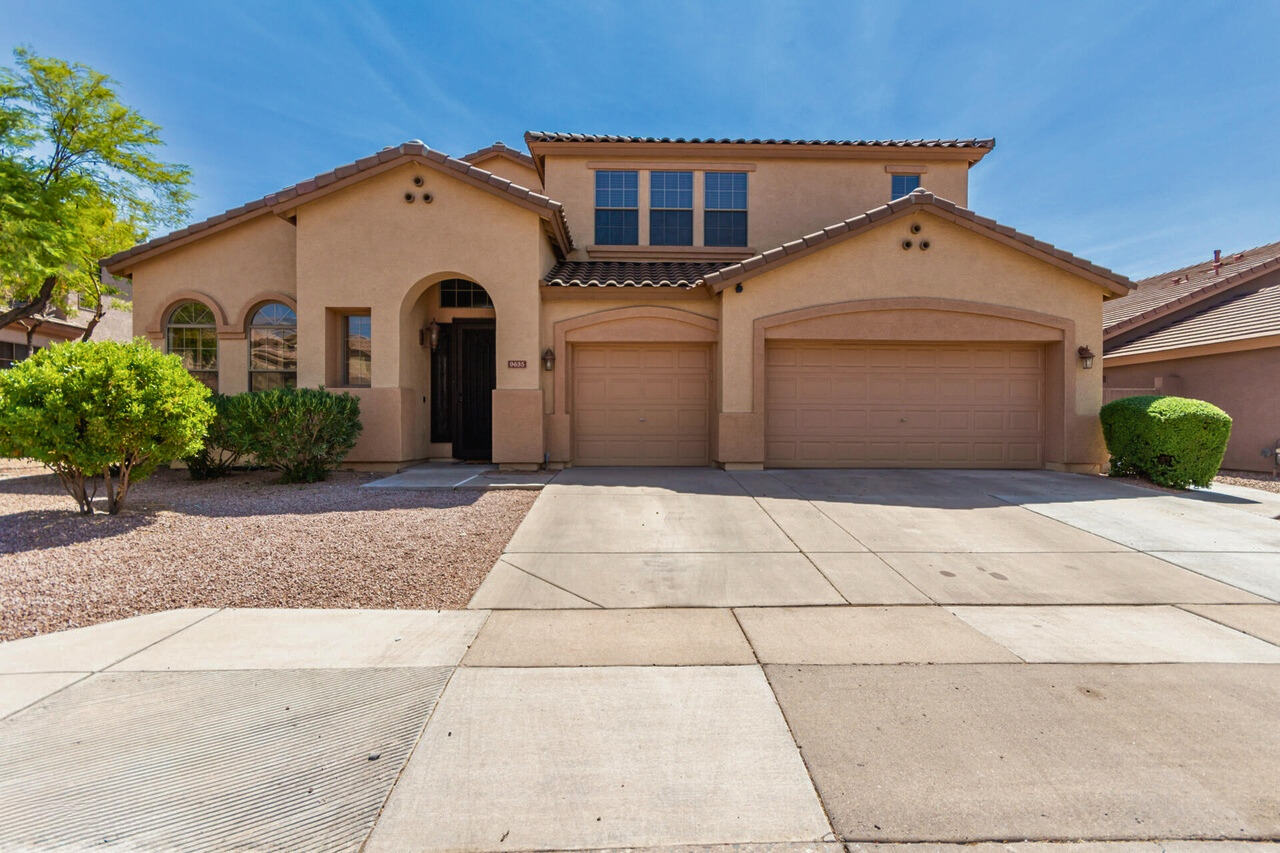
(518,363)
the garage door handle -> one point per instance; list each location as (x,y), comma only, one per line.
(642,420)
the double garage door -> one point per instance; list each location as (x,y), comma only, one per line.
(827,404)
(963,405)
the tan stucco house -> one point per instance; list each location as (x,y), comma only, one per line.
(607,300)
(1209,331)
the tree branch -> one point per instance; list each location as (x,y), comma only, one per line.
(35,306)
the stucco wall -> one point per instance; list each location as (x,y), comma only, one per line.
(1242,384)
(229,271)
(785,198)
(365,248)
(960,266)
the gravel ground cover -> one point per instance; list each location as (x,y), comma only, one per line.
(240,542)
(1249,479)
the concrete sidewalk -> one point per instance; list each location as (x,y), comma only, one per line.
(765,662)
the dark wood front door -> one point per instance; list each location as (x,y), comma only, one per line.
(475,375)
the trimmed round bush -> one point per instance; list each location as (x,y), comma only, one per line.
(301,432)
(90,409)
(226,441)
(1172,441)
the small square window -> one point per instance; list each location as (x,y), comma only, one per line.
(905,185)
(357,350)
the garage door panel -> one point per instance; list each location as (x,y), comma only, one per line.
(924,404)
(641,404)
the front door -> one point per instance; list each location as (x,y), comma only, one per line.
(475,376)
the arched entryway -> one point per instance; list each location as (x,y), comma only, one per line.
(457,325)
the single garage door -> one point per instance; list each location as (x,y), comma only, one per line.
(962,405)
(642,404)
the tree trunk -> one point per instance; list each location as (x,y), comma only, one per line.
(32,308)
(31,331)
(99,309)
(73,480)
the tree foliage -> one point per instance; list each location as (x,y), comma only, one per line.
(79,180)
(101,409)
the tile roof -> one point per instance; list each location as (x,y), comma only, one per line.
(1255,314)
(499,149)
(629,274)
(540,136)
(772,258)
(1169,291)
(414,149)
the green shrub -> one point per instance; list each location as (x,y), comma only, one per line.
(101,408)
(226,442)
(1171,441)
(301,432)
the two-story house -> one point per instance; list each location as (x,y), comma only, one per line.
(610,300)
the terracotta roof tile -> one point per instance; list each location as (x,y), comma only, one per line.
(727,275)
(1159,294)
(1254,314)
(540,136)
(413,148)
(628,274)
(499,149)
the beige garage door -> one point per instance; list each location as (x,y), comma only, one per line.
(968,405)
(642,404)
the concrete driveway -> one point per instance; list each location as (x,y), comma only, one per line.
(777,661)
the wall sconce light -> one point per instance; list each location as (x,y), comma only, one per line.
(430,336)
(1086,357)
(549,359)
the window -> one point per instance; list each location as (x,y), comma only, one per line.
(11,354)
(725,219)
(617,208)
(460,293)
(904,185)
(273,348)
(192,335)
(671,208)
(357,350)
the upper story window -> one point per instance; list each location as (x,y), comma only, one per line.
(357,350)
(617,208)
(192,334)
(725,217)
(273,348)
(460,293)
(671,208)
(904,185)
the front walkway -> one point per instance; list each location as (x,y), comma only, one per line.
(667,658)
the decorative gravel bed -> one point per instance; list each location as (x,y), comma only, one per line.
(240,542)
(1249,479)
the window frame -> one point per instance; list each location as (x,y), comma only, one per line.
(894,195)
(615,201)
(290,376)
(17,353)
(662,211)
(209,376)
(345,354)
(718,210)
(451,287)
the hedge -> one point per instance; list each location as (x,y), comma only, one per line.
(1172,441)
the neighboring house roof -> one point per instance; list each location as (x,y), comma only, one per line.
(840,231)
(388,158)
(540,136)
(1255,314)
(1158,295)
(499,149)
(629,274)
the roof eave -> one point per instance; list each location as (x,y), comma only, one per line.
(1188,300)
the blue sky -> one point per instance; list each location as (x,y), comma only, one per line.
(1139,135)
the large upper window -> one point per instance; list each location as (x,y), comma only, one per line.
(357,350)
(905,185)
(725,217)
(11,354)
(617,208)
(192,334)
(671,208)
(273,348)
(460,293)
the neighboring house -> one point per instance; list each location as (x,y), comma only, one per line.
(636,301)
(1209,331)
(23,337)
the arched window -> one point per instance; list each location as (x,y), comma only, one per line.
(192,334)
(273,348)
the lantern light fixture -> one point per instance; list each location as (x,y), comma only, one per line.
(431,334)
(549,360)
(1086,357)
